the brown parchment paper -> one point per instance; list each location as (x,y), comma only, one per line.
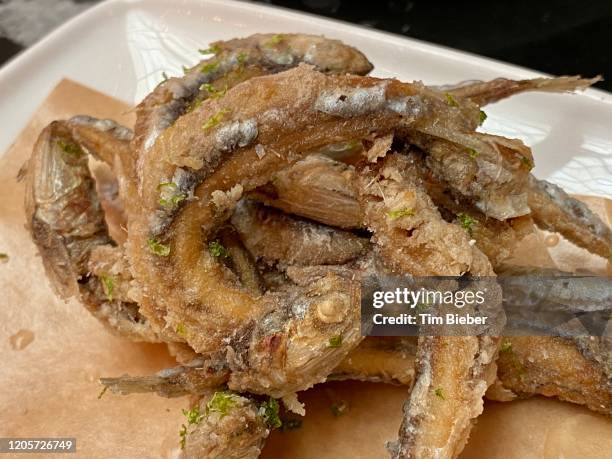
(52,354)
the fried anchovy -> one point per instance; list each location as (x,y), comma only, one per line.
(556,367)
(317,187)
(67,224)
(226,425)
(235,61)
(554,210)
(488,92)
(102,138)
(379,359)
(499,188)
(275,237)
(196,377)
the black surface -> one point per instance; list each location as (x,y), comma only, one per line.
(8,48)
(557,37)
(560,37)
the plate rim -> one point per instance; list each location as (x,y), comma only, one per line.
(29,54)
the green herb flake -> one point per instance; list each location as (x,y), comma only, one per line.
(241,58)
(170,195)
(217,250)
(212,91)
(69,148)
(290,424)
(158,248)
(275,40)
(221,403)
(210,67)
(482,116)
(472,153)
(398,213)
(339,408)
(215,119)
(164,76)
(335,341)
(440,393)
(4,258)
(193,105)
(269,410)
(506,347)
(108,285)
(450,99)
(102,392)
(352,144)
(213,49)
(186,69)
(466,222)
(180,330)
(193,417)
(526,161)
(183,435)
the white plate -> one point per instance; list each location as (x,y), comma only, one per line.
(121,47)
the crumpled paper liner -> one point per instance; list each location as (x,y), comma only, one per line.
(54,352)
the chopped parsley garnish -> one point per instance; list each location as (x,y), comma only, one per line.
(108,285)
(69,148)
(215,119)
(222,402)
(193,105)
(466,222)
(398,213)
(339,408)
(506,346)
(482,116)
(241,58)
(217,250)
(274,40)
(210,67)
(158,248)
(472,153)
(164,76)
(102,392)
(439,393)
(213,49)
(183,435)
(526,161)
(335,341)
(212,91)
(180,330)
(185,69)
(269,410)
(193,417)
(450,99)
(170,195)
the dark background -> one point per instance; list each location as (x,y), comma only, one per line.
(554,36)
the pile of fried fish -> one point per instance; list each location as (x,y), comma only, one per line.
(254,194)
